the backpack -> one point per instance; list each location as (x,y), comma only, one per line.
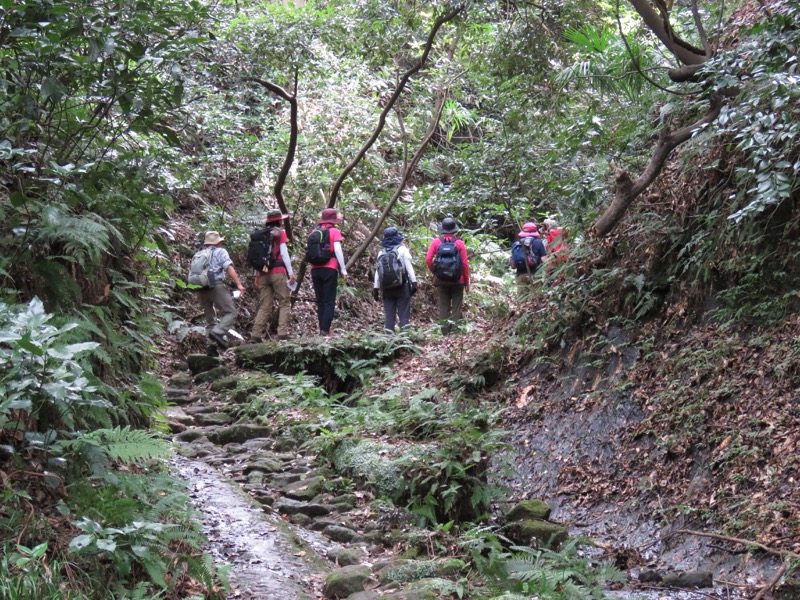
(318,247)
(521,255)
(391,272)
(198,268)
(260,250)
(447,262)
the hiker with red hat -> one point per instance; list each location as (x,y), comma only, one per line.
(216,300)
(324,252)
(527,253)
(447,260)
(268,254)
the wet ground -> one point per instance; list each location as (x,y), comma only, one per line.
(268,558)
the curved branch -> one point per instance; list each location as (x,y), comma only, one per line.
(390,104)
(701,31)
(658,22)
(280,183)
(626,189)
(409,169)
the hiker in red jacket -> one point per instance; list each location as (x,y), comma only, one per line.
(554,238)
(447,260)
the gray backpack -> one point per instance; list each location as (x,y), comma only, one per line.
(198,269)
(391,272)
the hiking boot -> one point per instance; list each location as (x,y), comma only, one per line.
(212,351)
(283,338)
(218,339)
(256,340)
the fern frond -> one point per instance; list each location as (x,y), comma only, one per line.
(127,445)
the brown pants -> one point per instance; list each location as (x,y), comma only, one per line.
(272,287)
(451,301)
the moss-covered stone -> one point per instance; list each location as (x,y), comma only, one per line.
(199,363)
(370,462)
(238,433)
(305,489)
(544,533)
(346,581)
(225,383)
(404,571)
(212,374)
(529,509)
(180,380)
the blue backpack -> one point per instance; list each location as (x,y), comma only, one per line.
(521,255)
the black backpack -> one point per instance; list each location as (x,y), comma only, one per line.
(318,246)
(260,250)
(447,262)
(391,272)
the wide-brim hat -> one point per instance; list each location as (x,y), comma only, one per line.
(274,215)
(393,234)
(330,215)
(213,238)
(448,225)
(529,230)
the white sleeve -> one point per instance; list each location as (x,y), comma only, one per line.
(337,249)
(405,254)
(287,261)
(375,283)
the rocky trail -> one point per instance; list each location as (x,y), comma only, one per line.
(290,526)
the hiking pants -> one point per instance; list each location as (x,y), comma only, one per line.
(219,309)
(272,287)
(397,303)
(451,300)
(325,282)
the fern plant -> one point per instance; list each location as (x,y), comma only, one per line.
(559,575)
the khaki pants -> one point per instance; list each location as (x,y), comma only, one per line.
(272,287)
(219,309)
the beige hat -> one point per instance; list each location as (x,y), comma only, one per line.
(213,238)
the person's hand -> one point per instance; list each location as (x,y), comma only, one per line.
(376,295)
(466,287)
(413,287)
(292,278)
(344,276)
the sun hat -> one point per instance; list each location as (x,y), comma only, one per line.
(392,237)
(529,230)
(274,214)
(213,238)
(448,225)
(329,215)
(550,222)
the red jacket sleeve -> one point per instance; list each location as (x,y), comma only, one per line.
(462,249)
(432,249)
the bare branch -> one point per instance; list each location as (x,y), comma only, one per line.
(441,20)
(701,31)
(280,183)
(626,189)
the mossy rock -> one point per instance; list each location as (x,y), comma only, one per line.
(212,374)
(238,434)
(405,571)
(199,363)
(327,360)
(225,383)
(346,581)
(544,533)
(370,462)
(529,509)
(181,380)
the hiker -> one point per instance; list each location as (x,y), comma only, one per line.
(324,252)
(217,302)
(555,238)
(527,253)
(395,276)
(273,279)
(447,260)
